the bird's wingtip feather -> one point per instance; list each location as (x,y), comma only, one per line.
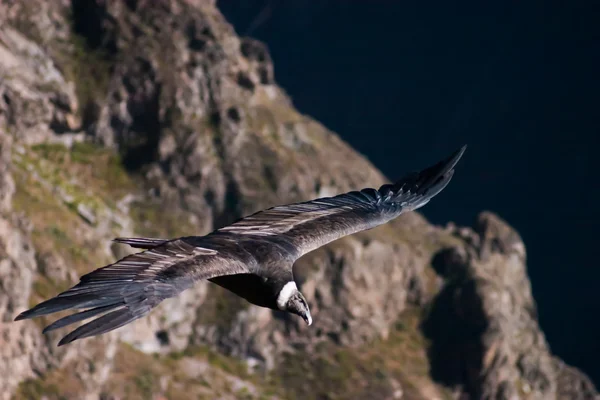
(21,316)
(455,157)
(65,340)
(27,314)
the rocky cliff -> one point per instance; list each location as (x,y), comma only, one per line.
(154,118)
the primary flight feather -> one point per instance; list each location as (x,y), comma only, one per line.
(252,257)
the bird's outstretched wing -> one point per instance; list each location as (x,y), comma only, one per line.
(131,287)
(312,224)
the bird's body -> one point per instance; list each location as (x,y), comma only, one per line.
(252,257)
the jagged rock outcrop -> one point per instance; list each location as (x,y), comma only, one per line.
(17,266)
(483,322)
(36,102)
(154,118)
(572,384)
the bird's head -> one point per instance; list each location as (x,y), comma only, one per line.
(291,300)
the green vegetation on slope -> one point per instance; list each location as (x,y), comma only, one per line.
(151,220)
(381,369)
(197,373)
(53,185)
(376,370)
(53,181)
(220,308)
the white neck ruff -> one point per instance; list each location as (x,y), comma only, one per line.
(286,292)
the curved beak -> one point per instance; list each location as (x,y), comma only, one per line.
(307,318)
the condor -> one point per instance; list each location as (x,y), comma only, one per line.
(252,257)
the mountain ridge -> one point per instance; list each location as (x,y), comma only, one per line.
(121,111)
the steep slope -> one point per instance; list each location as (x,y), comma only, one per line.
(154,118)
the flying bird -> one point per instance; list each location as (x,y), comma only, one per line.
(253,257)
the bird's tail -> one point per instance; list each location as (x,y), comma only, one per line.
(416,189)
(140,243)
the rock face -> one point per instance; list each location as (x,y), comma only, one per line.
(153,118)
(483,324)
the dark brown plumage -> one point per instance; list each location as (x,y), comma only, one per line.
(252,257)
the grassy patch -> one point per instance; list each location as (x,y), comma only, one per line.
(196,372)
(45,287)
(59,384)
(228,364)
(34,389)
(97,169)
(82,174)
(368,371)
(220,308)
(135,375)
(152,220)
(49,217)
(52,181)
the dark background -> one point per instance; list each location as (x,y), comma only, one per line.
(406,83)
